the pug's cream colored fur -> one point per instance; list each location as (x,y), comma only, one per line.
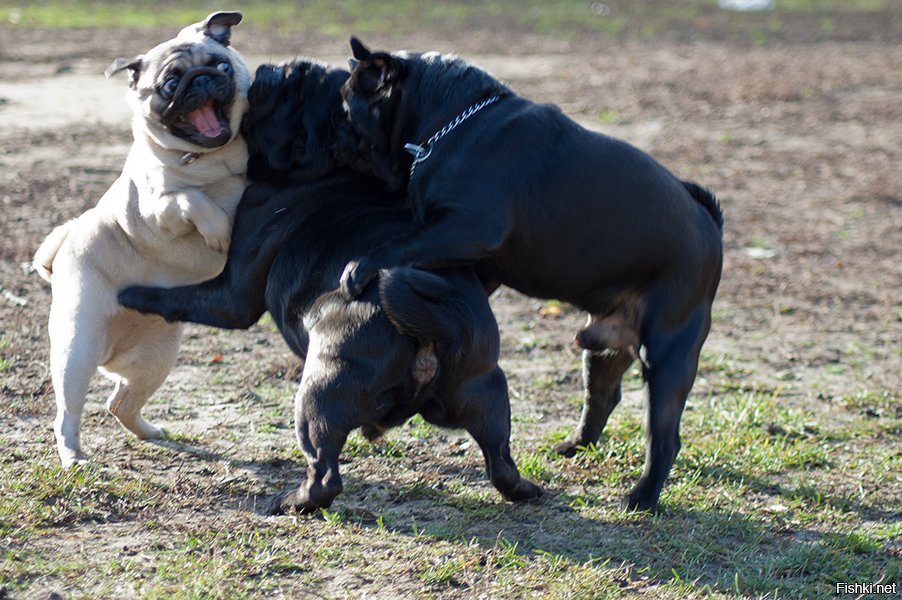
(166,221)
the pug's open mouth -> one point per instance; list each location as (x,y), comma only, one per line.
(206,126)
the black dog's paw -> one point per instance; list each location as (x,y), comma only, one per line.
(566,448)
(356,276)
(141,299)
(634,502)
(525,491)
(148,300)
(294,501)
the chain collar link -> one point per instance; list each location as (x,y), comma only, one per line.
(421,153)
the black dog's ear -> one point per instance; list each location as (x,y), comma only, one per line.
(219,25)
(392,68)
(359,51)
(134,65)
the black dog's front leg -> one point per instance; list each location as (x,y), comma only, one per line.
(325,414)
(233,300)
(450,239)
(216,303)
(236,298)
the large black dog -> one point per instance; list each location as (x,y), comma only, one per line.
(554,211)
(290,242)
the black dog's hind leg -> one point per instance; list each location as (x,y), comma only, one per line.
(673,363)
(321,435)
(602,374)
(486,416)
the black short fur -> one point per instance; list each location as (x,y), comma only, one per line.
(290,241)
(553,210)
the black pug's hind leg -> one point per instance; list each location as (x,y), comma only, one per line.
(486,416)
(673,363)
(602,374)
(321,435)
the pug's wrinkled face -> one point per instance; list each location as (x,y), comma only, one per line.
(190,89)
(190,92)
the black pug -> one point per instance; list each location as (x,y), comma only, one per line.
(554,211)
(290,242)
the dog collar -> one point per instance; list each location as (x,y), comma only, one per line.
(190,157)
(422,152)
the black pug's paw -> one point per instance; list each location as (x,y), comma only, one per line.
(640,499)
(297,501)
(149,300)
(524,491)
(567,448)
(356,276)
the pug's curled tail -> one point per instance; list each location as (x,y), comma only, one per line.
(43,258)
(421,304)
(707,200)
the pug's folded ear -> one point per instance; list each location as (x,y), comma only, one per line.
(219,25)
(134,65)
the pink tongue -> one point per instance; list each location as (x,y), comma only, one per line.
(206,122)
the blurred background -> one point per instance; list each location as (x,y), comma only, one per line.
(757,21)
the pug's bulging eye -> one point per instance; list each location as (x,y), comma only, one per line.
(169,87)
(224,67)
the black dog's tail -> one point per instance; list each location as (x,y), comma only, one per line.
(706,199)
(422,305)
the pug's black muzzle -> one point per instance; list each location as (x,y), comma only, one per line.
(200,89)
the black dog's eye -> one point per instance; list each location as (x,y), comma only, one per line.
(169,87)
(224,67)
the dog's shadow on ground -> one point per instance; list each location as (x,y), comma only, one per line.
(552,526)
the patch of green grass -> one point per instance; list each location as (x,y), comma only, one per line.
(748,435)
(526,418)
(535,466)
(873,403)
(5,363)
(36,493)
(276,391)
(447,573)
(181,437)
(418,427)
(609,117)
(223,563)
(266,428)
(357,445)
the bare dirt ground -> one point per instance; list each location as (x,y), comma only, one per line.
(802,143)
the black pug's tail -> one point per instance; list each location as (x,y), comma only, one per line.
(706,199)
(422,305)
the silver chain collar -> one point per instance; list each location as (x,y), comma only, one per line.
(421,153)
